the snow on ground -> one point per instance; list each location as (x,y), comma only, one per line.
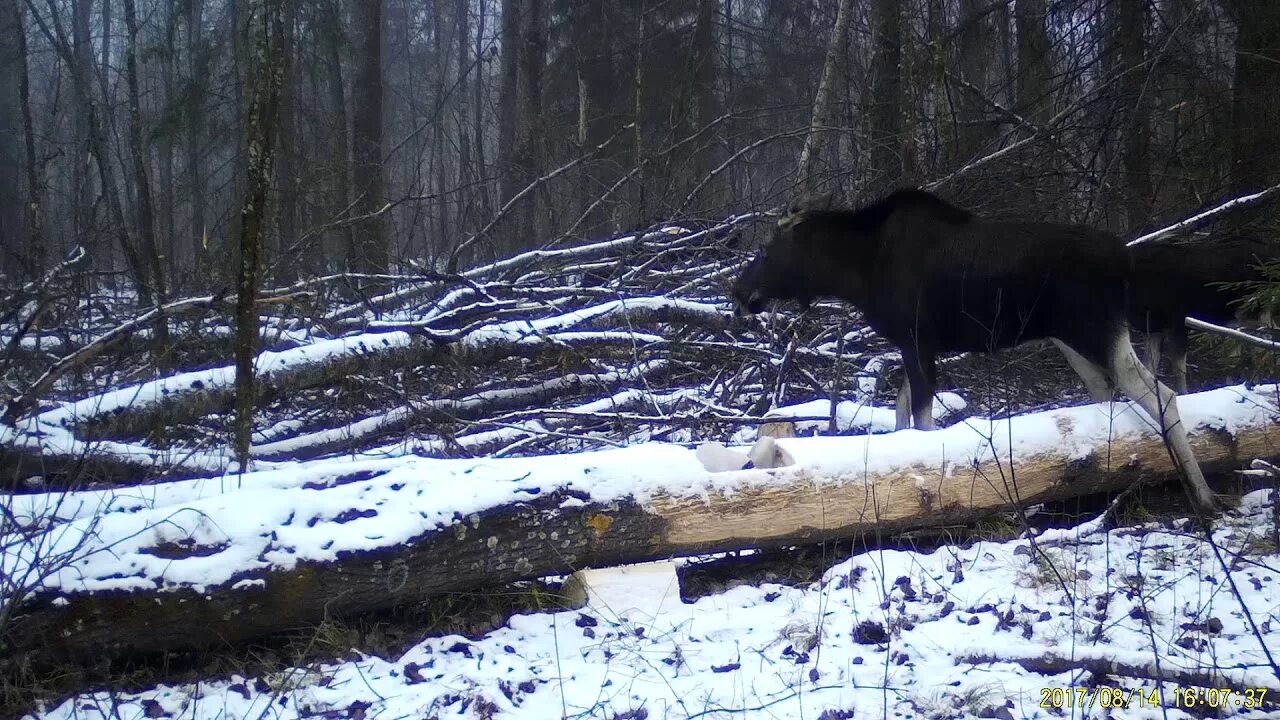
(295,512)
(884,634)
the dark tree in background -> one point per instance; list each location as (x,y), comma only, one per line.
(1255,112)
(266,37)
(12,71)
(369,252)
(410,129)
(1131,31)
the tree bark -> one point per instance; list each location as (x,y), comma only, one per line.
(529,141)
(440,157)
(333,37)
(104,65)
(1136,149)
(478,119)
(81,78)
(198,231)
(594,68)
(889,163)
(509,107)
(266,29)
(466,177)
(1035,64)
(1255,111)
(370,253)
(548,536)
(824,103)
(287,260)
(35,172)
(168,224)
(146,220)
(80,66)
(12,73)
(973,63)
(706,73)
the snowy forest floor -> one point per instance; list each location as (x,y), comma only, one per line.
(979,629)
(626,341)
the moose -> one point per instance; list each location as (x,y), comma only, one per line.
(1173,281)
(931,277)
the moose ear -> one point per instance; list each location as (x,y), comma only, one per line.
(825,201)
(799,207)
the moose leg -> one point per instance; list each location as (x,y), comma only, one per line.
(1155,343)
(1176,341)
(1161,405)
(1094,377)
(902,411)
(922,373)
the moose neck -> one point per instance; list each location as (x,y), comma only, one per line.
(845,254)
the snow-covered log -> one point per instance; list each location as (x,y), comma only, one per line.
(131,408)
(224,560)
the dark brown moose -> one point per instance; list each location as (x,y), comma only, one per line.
(931,277)
(1204,279)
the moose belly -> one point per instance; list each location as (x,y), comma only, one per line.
(993,321)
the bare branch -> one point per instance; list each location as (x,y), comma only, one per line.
(1201,218)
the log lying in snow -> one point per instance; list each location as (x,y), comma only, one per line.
(132,410)
(189,565)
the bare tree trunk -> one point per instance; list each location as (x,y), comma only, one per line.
(287,266)
(240,67)
(439,157)
(35,173)
(334,36)
(1136,151)
(529,139)
(509,107)
(97,145)
(266,30)
(706,72)
(80,64)
(194,106)
(466,190)
(1035,64)
(824,103)
(477,118)
(596,83)
(370,252)
(12,74)
(638,212)
(530,142)
(519,116)
(888,149)
(164,143)
(1255,111)
(971,132)
(150,248)
(104,65)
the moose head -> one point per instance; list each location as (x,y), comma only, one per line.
(787,267)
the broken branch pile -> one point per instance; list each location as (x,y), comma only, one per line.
(548,351)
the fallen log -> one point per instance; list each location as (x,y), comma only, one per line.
(41,386)
(196,564)
(132,411)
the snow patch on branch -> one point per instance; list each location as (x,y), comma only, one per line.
(267,364)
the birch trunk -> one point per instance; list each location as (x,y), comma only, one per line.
(824,102)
